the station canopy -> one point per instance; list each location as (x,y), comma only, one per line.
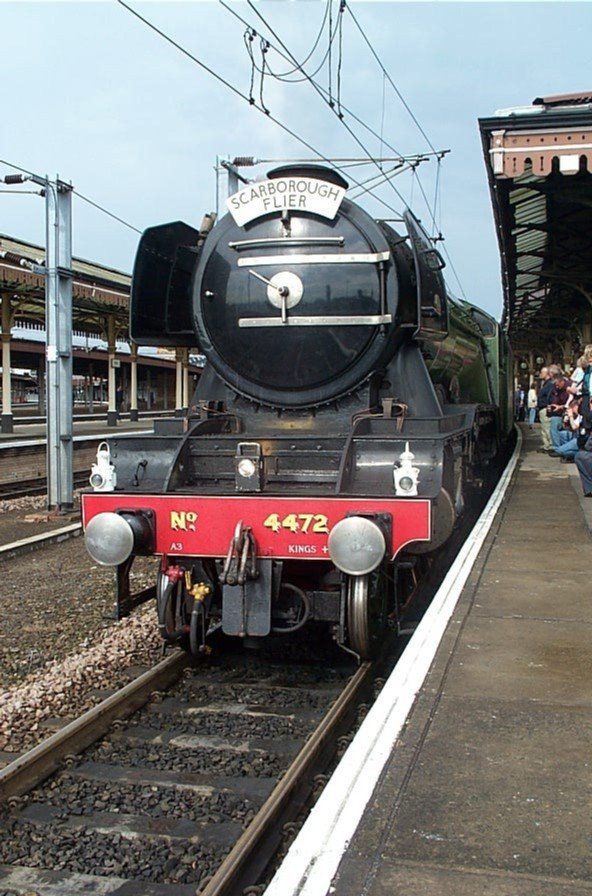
(539,165)
(96,291)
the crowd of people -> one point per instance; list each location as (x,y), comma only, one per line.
(561,402)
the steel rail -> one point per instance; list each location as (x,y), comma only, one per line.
(253,851)
(42,760)
(9,490)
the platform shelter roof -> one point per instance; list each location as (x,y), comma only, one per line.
(97,291)
(539,165)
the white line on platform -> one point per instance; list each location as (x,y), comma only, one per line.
(314,857)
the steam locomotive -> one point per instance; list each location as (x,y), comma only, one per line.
(347,409)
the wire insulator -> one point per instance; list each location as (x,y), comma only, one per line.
(14,179)
(243,161)
(11,256)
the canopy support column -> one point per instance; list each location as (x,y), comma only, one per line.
(7,422)
(186,395)
(111,384)
(179,382)
(41,408)
(58,322)
(134,383)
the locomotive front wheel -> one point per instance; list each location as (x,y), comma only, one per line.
(366,614)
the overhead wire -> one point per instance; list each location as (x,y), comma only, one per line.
(261,107)
(74,191)
(329,66)
(284,127)
(285,80)
(237,92)
(339,63)
(264,46)
(431,211)
(327,97)
(347,161)
(296,67)
(362,185)
(17,167)
(343,122)
(105,211)
(376,180)
(425,197)
(310,78)
(437,194)
(390,80)
(382,112)
(284,75)
(453,269)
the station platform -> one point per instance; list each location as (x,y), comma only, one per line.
(487,791)
(85,427)
(487,788)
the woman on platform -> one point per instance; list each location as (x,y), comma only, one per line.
(532,404)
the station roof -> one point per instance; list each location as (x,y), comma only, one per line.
(97,291)
(539,165)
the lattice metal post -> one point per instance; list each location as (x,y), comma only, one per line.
(58,322)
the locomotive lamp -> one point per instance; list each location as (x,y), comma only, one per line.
(103,477)
(405,474)
(248,475)
(356,545)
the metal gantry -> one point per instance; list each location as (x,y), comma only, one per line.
(58,322)
(58,316)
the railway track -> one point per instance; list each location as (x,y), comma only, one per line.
(37,486)
(196,790)
(23,464)
(182,782)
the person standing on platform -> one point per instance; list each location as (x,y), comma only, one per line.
(547,386)
(577,377)
(531,401)
(519,401)
(583,458)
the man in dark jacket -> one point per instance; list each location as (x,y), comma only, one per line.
(544,399)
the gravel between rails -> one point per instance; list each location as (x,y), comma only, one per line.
(67,687)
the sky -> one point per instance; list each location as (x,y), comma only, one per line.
(89,92)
